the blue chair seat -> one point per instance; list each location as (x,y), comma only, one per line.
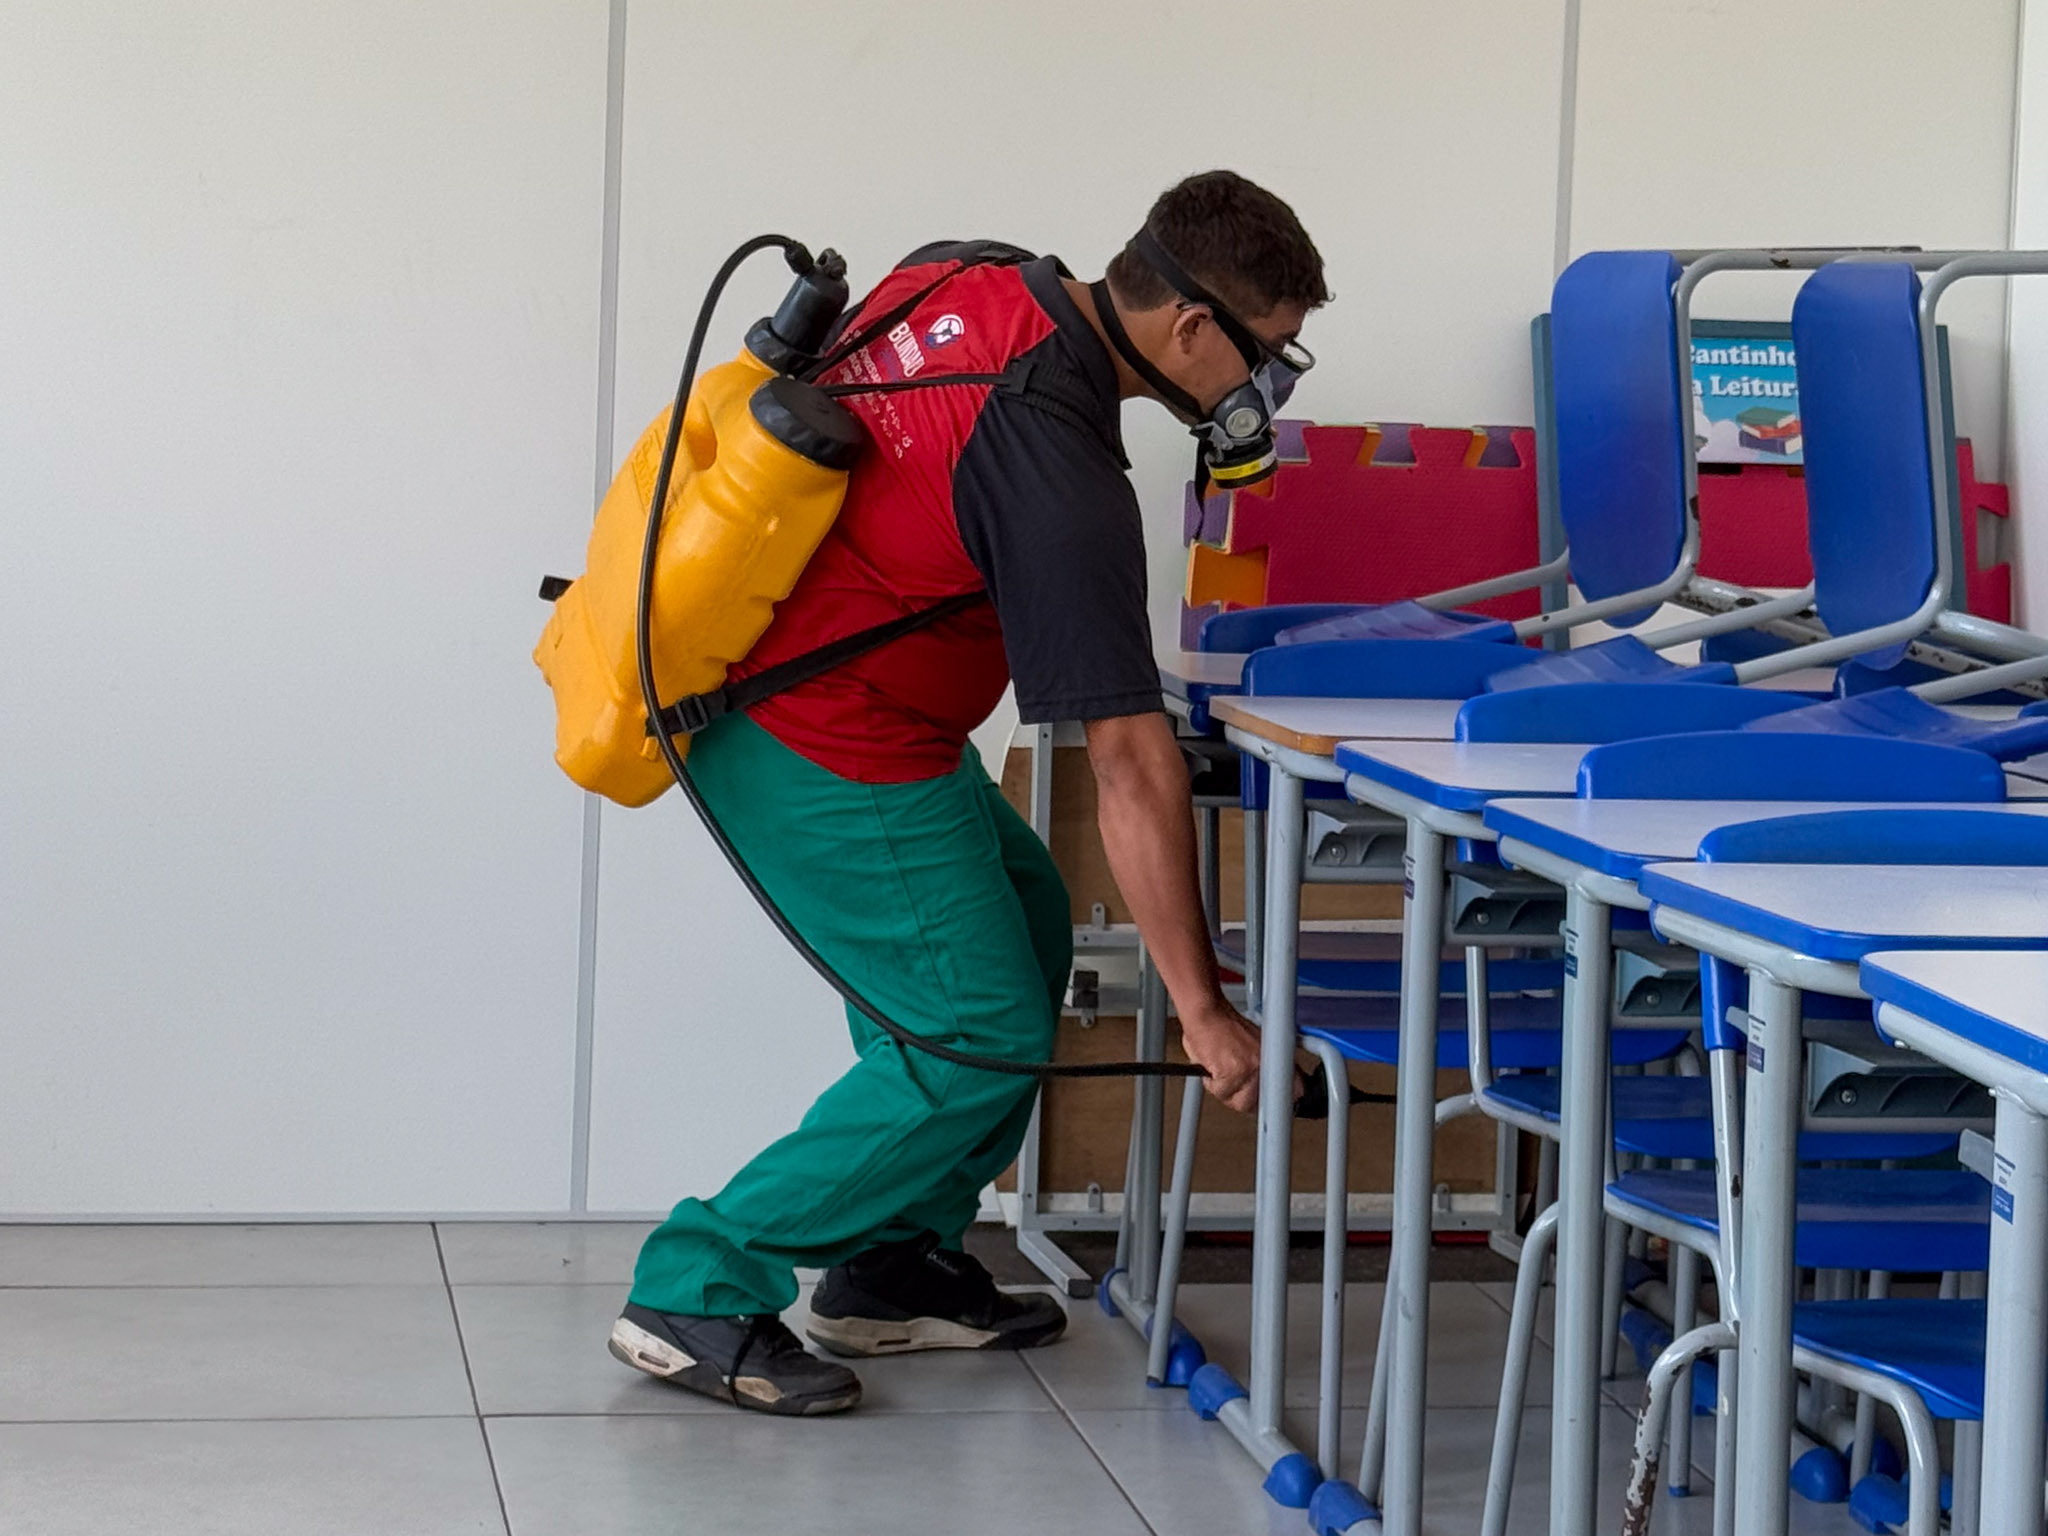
(1525,1031)
(1895,712)
(1624,659)
(1849,1218)
(1673,1117)
(1398,621)
(1934,1347)
(1345,961)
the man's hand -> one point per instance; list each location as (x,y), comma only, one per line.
(1226,1044)
(1148,831)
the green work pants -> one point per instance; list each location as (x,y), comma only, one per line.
(937,902)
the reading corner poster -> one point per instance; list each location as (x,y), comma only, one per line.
(1745,401)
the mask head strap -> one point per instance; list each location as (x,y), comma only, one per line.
(1160,260)
(1141,365)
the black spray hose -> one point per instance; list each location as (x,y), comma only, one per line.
(800,260)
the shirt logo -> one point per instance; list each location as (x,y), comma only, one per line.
(908,353)
(945,330)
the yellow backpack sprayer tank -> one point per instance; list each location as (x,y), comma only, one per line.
(758,478)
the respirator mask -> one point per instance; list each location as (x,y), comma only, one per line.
(1235,436)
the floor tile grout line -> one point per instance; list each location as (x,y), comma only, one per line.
(269,1418)
(483,1429)
(1089,1446)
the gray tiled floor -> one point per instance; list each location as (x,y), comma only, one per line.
(420,1381)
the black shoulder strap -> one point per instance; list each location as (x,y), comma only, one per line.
(1050,389)
(1053,390)
(689,715)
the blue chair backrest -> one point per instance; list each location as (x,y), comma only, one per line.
(1253,629)
(1621,414)
(1855,837)
(1603,712)
(1884,837)
(1378,669)
(1863,412)
(1767,765)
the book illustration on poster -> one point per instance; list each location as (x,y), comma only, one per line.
(1770,429)
(1745,393)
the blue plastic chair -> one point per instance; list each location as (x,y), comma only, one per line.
(1924,1358)
(1677,1118)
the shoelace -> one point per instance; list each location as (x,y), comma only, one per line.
(963,1267)
(762,1327)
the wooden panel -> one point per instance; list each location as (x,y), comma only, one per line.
(1087,1121)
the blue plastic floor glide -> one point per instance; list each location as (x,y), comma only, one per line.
(1646,1337)
(1102,1297)
(1399,621)
(1895,712)
(1878,1503)
(1821,1476)
(1184,1355)
(1336,1507)
(1210,1388)
(1293,1481)
(1624,659)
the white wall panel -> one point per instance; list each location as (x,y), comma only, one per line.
(1419,145)
(1753,122)
(297,360)
(2028,460)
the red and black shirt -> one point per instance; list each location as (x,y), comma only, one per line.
(967,488)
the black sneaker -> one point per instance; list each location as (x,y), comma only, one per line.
(913,1295)
(750,1362)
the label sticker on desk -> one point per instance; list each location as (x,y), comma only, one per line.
(1408,876)
(1756,1049)
(2003,1172)
(1571,951)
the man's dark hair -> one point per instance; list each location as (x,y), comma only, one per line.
(1235,238)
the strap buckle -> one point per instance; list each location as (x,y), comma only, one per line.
(691,714)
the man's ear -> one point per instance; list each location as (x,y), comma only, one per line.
(1187,326)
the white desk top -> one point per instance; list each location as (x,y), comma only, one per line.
(1464,775)
(1618,837)
(1318,725)
(1181,670)
(1842,912)
(1995,998)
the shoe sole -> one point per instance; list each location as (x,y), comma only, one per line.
(633,1345)
(867,1337)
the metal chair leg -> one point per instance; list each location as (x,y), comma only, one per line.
(1174,1240)
(1614,1264)
(1685,1292)
(1336,1234)
(1514,1376)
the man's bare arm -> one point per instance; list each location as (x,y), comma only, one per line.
(1148,831)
